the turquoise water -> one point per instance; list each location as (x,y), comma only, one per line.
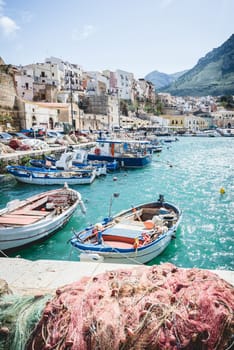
(189,173)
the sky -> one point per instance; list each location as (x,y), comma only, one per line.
(137,36)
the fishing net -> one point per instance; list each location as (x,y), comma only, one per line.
(154,308)
(18,317)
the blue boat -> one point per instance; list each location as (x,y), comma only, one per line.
(78,159)
(136,235)
(43,176)
(128,153)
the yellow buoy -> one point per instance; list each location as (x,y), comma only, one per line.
(222,190)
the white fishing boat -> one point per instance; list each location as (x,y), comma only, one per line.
(49,176)
(71,160)
(23,222)
(136,235)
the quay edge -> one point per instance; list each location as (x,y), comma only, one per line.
(17,156)
(45,276)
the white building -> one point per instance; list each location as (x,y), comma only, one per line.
(97,83)
(124,84)
(24,78)
(48,115)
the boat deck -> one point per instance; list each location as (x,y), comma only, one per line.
(26,215)
(118,244)
(18,220)
(125,230)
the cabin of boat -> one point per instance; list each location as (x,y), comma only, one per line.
(129,153)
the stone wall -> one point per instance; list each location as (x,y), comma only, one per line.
(7,87)
(7,96)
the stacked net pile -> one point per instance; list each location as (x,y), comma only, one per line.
(159,307)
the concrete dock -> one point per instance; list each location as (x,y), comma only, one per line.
(32,277)
(18,155)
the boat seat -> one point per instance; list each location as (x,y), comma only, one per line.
(18,219)
(31,212)
(38,203)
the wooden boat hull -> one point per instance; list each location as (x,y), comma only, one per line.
(21,227)
(119,236)
(130,255)
(50,177)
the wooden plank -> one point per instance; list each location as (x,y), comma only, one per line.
(38,203)
(31,212)
(20,220)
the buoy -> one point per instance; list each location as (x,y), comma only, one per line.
(222,190)
(115,178)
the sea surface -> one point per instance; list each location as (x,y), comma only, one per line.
(189,173)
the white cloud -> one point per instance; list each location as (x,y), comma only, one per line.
(7,25)
(86,32)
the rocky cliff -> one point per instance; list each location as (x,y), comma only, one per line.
(212,75)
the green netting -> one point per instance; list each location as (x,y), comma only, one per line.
(18,317)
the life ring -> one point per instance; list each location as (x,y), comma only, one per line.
(97,151)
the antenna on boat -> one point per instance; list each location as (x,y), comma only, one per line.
(114,195)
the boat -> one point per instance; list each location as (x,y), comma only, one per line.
(136,235)
(23,222)
(44,176)
(80,159)
(153,148)
(128,153)
(72,160)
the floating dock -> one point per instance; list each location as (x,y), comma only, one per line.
(41,276)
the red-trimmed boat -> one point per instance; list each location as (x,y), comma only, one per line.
(136,235)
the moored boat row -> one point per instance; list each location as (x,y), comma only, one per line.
(136,235)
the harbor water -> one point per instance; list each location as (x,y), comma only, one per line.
(189,173)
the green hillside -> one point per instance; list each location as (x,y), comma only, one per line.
(212,75)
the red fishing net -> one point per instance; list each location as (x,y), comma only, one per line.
(160,307)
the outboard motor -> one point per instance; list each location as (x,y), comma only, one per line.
(161,198)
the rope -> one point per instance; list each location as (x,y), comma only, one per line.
(4,254)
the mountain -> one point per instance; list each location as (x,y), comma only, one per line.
(161,80)
(212,75)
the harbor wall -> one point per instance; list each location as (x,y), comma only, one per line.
(40,276)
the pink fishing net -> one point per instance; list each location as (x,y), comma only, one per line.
(160,307)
